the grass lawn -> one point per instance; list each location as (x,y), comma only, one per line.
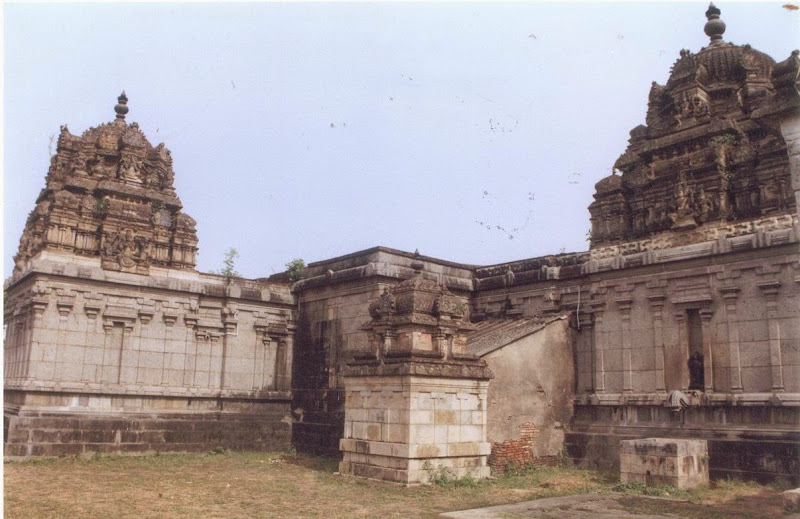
(273,485)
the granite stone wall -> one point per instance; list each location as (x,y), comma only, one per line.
(112,352)
(333,301)
(636,320)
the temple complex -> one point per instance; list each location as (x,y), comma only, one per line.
(681,321)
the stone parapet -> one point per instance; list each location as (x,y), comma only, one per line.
(382,262)
(88,269)
(706,242)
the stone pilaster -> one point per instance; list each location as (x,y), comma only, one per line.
(683,347)
(730,294)
(657,306)
(769,291)
(624,305)
(599,345)
(587,327)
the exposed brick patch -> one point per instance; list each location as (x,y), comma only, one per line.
(518,453)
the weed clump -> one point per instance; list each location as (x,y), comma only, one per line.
(445,477)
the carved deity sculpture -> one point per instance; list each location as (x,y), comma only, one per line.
(129,167)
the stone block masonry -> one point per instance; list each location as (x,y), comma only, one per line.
(664,461)
(411,429)
(791,500)
(681,321)
(213,362)
(333,300)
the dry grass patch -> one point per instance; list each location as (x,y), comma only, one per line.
(262,485)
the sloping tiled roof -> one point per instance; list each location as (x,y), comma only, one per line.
(495,333)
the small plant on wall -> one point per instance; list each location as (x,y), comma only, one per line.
(101,207)
(229,264)
(294,269)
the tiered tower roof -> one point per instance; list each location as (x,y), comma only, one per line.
(711,150)
(109,194)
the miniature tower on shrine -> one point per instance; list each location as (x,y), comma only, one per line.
(415,403)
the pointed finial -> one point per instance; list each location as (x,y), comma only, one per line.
(122,106)
(417,265)
(714,27)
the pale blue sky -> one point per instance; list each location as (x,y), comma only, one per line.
(315,130)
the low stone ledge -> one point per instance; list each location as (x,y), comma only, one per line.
(698,398)
(681,463)
(791,500)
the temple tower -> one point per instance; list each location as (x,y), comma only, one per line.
(114,342)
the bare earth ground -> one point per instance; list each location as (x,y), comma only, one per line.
(273,485)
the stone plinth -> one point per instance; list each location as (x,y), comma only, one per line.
(664,461)
(409,428)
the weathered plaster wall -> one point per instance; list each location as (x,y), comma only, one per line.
(534,380)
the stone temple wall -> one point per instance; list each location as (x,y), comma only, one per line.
(185,362)
(327,327)
(333,302)
(636,327)
(684,312)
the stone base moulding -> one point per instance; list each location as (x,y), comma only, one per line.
(64,424)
